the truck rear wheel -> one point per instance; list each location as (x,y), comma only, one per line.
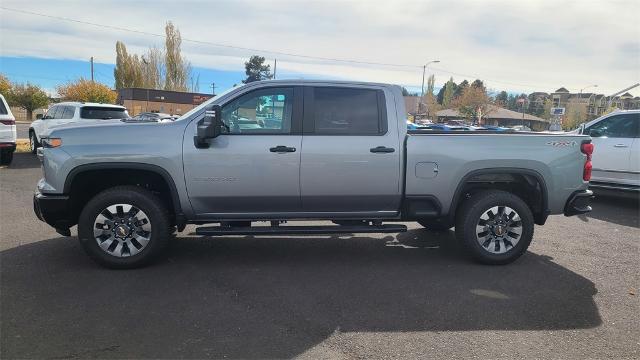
(124,227)
(494,227)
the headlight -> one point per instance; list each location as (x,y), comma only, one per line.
(51,142)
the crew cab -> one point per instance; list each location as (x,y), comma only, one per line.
(258,156)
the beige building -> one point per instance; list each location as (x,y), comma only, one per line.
(138,100)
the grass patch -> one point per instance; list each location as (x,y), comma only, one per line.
(22,146)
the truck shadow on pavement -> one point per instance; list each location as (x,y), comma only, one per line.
(251,297)
(615,207)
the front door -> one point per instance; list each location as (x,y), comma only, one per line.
(350,155)
(613,139)
(253,168)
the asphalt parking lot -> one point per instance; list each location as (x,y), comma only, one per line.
(574,295)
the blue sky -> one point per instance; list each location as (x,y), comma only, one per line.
(49,73)
(518,46)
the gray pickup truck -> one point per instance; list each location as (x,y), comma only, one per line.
(258,156)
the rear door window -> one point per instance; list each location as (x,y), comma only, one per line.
(103,113)
(348,111)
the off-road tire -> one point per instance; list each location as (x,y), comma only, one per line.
(469,214)
(6,157)
(142,199)
(33,142)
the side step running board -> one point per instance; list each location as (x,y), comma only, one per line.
(298,230)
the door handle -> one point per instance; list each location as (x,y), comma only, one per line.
(382,149)
(282,149)
(620,145)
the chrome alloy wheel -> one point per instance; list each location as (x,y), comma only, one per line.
(122,230)
(32,142)
(499,229)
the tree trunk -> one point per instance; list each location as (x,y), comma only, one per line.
(29,114)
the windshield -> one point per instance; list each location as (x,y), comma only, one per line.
(206,103)
(101,112)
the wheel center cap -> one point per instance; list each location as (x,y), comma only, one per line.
(498,230)
(122,231)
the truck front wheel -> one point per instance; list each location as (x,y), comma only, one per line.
(124,227)
(494,227)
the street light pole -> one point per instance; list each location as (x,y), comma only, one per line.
(424,70)
(588,100)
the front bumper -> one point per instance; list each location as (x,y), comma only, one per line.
(578,203)
(55,210)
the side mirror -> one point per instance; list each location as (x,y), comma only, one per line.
(595,133)
(210,127)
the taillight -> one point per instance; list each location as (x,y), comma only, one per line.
(8,122)
(587,149)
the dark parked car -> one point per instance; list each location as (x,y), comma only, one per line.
(443,127)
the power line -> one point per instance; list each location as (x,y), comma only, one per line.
(310,57)
(210,43)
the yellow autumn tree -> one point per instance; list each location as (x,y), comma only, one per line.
(5,86)
(87,91)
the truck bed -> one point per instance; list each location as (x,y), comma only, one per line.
(436,161)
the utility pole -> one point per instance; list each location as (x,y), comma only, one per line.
(275,67)
(213,88)
(424,70)
(92,69)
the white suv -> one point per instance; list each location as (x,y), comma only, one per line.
(616,156)
(7,133)
(70,112)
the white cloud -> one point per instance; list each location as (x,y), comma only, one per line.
(515,45)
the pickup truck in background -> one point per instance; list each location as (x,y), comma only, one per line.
(616,165)
(258,156)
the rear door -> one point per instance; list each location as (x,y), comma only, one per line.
(252,170)
(612,156)
(350,157)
